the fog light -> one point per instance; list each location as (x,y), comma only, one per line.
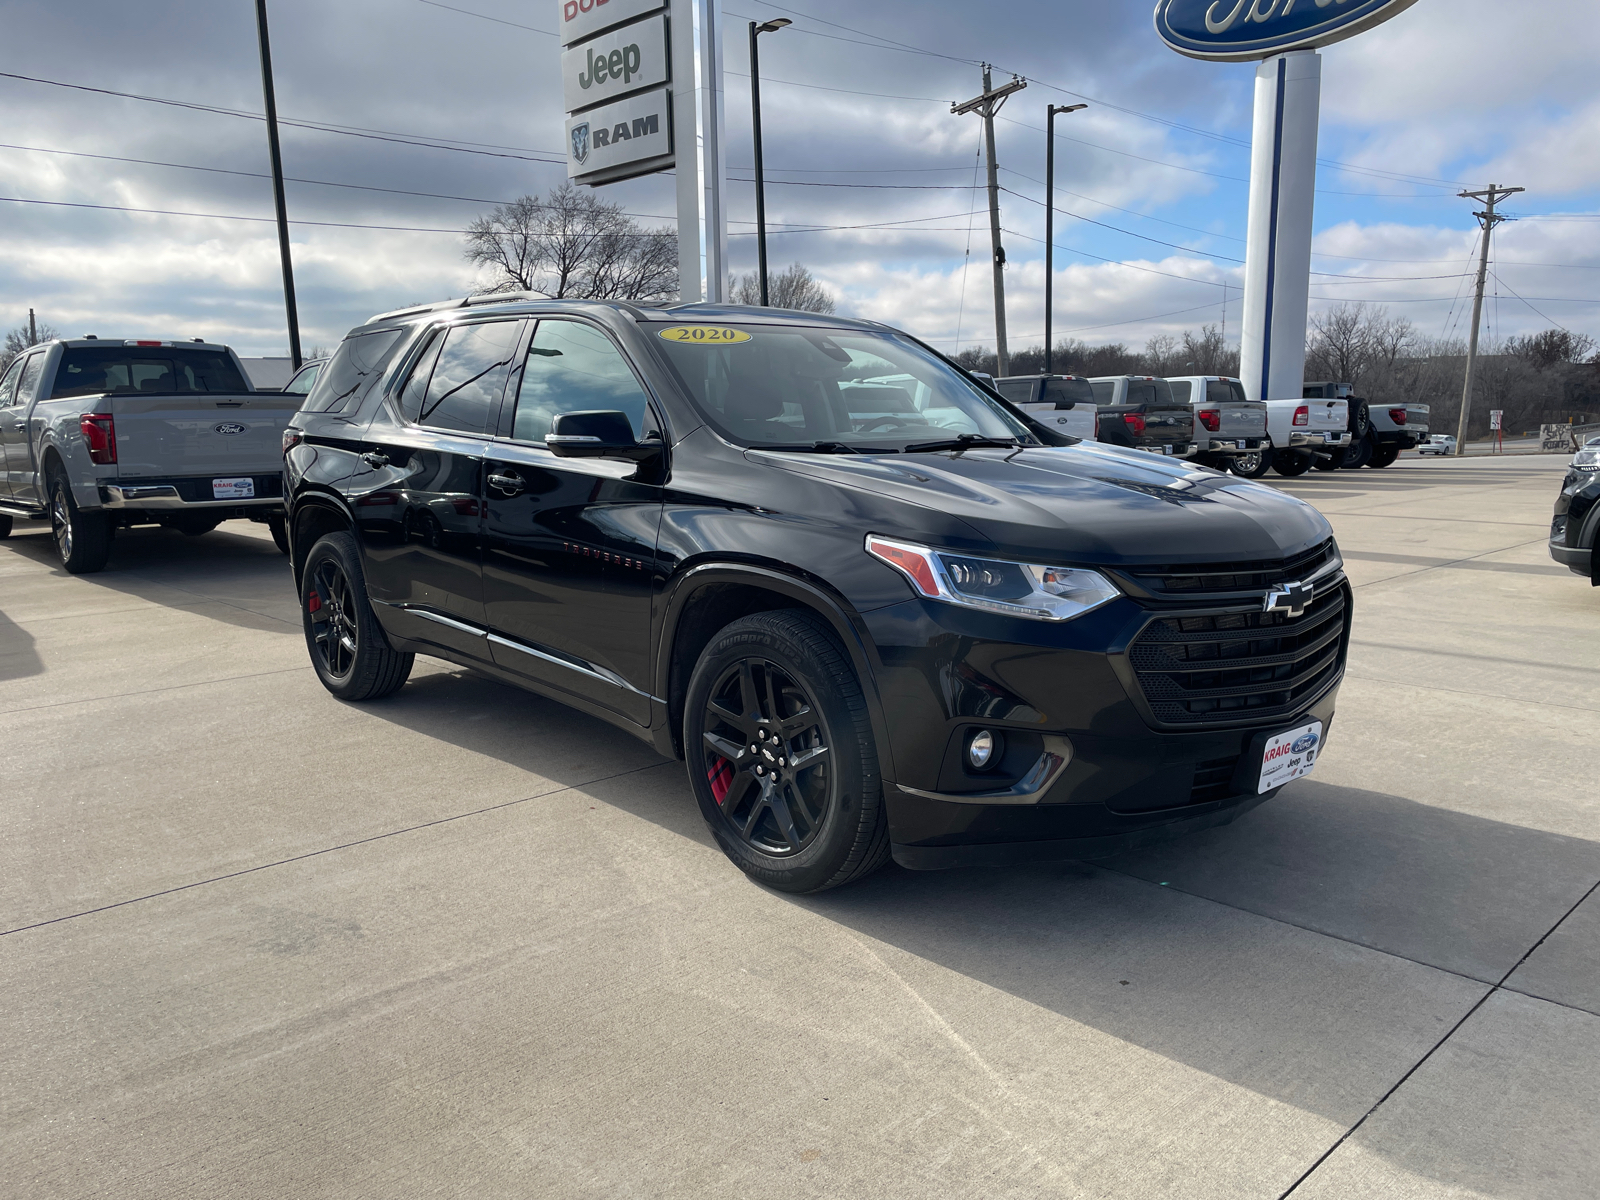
(983,750)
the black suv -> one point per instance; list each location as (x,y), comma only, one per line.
(876,609)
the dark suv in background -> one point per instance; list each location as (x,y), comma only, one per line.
(877,610)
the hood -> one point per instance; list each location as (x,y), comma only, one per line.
(1087,504)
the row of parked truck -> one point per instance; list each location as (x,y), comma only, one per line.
(1207,418)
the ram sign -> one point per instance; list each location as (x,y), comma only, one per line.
(1239,30)
(614,78)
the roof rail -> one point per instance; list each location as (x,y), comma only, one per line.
(503,297)
(414,309)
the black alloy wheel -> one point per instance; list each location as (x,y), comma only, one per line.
(348,647)
(1359,453)
(83,540)
(781,754)
(1290,463)
(766,757)
(1384,455)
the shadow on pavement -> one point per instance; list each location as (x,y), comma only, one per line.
(18,658)
(242,577)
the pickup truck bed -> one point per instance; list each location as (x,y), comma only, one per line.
(99,435)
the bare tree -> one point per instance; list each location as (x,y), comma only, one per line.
(20,338)
(1209,354)
(572,244)
(795,289)
(1541,351)
(1163,355)
(1349,341)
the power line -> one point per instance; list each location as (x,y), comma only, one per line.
(485,17)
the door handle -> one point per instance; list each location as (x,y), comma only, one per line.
(510,484)
(375,460)
(20,425)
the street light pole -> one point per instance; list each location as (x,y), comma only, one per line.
(1050,219)
(756,30)
(277,183)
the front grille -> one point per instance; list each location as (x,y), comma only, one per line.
(1233,577)
(1213,780)
(1223,667)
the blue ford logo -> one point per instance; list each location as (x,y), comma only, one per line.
(1237,30)
(232,427)
(1303,743)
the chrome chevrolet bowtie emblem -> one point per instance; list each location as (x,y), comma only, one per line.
(1291,599)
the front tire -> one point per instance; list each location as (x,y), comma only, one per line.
(1359,454)
(348,647)
(83,539)
(1384,456)
(781,754)
(1288,463)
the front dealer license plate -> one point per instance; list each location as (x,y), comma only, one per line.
(1289,755)
(233,489)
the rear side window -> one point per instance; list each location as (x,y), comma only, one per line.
(1182,387)
(91,370)
(458,383)
(354,367)
(573,367)
(8,383)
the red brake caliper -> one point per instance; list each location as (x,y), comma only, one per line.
(721,777)
(314,602)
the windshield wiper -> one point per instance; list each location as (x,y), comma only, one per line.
(818,448)
(966,441)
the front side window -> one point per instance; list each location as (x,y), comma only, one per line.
(573,367)
(774,385)
(458,382)
(92,370)
(345,378)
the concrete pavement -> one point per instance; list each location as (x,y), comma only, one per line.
(466,942)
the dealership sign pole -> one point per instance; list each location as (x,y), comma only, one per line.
(1282,37)
(642,84)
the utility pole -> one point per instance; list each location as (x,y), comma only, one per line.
(756,30)
(277,183)
(33,330)
(1050,111)
(1488,218)
(986,105)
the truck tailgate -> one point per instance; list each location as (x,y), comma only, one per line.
(1239,420)
(1326,416)
(1154,427)
(162,436)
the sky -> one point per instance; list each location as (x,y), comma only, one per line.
(872,182)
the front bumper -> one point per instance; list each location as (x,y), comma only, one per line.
(1314,440)
(1093,771)
(1575,558)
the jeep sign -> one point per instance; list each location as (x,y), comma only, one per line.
(625,60)
(1240,30)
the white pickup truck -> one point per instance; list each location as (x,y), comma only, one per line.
(1298,433)
(97,435)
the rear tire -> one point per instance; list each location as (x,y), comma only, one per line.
(5,526)
(1289,464)
(1253,465)
(83,539)
(781,755)
(1384,456)
(279,528)
(1359,454)
(349,649)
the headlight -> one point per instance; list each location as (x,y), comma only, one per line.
(1586,460)
(995,585)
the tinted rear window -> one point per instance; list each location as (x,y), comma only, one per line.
(1220,391)
(1180,390)
(1068,391)
(1018,391)
(1148,391)
(354,367)
(91,370)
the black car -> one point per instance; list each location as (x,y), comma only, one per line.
(1576,524)
(876,609)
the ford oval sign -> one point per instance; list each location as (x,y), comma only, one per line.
(1239,30)
(231,427)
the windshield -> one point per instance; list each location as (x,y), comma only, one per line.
(774,385)
(89,371)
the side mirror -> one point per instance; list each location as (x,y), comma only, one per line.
(599,434)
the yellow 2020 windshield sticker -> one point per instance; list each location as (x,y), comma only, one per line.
(705,335)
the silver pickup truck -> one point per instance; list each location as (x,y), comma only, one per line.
(1228,428)
(97,435)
